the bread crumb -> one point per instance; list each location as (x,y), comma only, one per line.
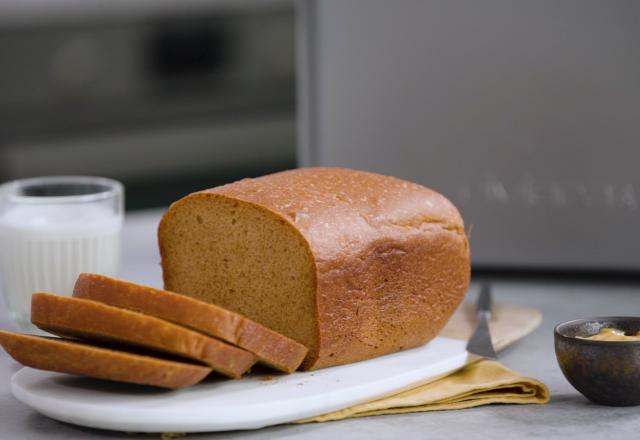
(267,378)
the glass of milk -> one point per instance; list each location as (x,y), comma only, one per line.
(51,230)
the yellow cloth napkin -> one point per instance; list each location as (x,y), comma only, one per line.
(480,383)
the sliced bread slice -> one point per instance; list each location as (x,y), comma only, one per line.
(91,320)
(73,357)
(271,348)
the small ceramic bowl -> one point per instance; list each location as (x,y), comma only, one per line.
(606,372)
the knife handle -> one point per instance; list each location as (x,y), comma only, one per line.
(485,302)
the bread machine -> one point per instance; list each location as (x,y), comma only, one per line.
(524,114)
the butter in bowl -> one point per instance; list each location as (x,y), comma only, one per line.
(600,357)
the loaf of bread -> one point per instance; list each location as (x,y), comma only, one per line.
(74,357)
(93,321)
(273,349)
(351,264)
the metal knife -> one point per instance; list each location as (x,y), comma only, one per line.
(480,342)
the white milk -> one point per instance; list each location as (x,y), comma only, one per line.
(45,247)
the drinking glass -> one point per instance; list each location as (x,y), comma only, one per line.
(51,230)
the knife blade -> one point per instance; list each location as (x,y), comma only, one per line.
(480,342)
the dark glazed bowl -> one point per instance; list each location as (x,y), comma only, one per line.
(606,372)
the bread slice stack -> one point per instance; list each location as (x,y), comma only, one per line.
(115,330)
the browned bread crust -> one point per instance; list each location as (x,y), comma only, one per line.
(73,357)
(270,347)
(91,320)
(377,264)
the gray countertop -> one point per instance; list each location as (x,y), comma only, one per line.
(567,416)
